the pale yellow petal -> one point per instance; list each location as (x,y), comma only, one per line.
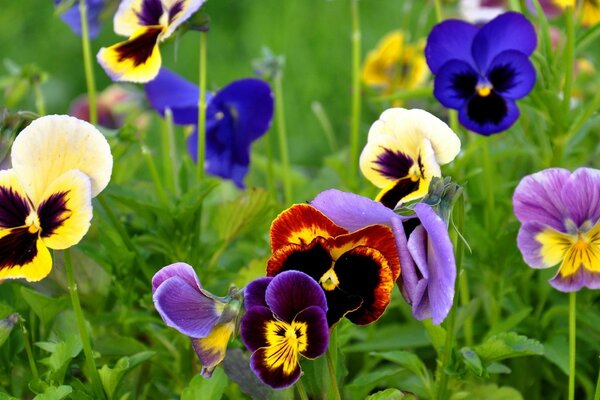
(126,20)
(14,204)
(33,270)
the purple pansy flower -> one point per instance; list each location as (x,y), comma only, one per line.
(72,17)
(481,71)
(285,318)
(560,216)
(426,253)
(183,304)
(236,116)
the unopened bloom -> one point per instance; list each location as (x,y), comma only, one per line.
(404,151)
(237,115)
(183,304)
(481,71)
(559,213)
(424,248)
(58,164)
(285,318)
(147,23)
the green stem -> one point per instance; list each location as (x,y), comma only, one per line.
(282,136)
(332,374)
(572,340)
(437,4)
(270,170)
(465,299)
(317,109)
(201,108)
(488,176)
(40,105)
(169,156)
(29,352)
(301,390)
(87,62)
(597,393)
(83,333)
(569,60)
(356,109)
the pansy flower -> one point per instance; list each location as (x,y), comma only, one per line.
(183,304)
(285,318)
(481,71)
(559,213)
(589,10)
(395,64)
(146,23)
(58,164)
(404,151)
(424,247)
(236,116)
(72,17)
(357,270)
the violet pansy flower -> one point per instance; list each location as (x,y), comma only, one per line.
(426,252)
(559,213)
(72,17)
(481,71)
(236,116)
(183,304)
(285,318)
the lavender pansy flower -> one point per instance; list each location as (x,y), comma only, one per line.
(425,251)
(285,318)
(481,71)
(183,304)
(559,213)
(72,17)
(236,116)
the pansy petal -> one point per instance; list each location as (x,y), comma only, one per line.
(581,196)
(488,115)
(169,90)
(312,259)
(455,84)
(14,205)
(254,293)
(134,60)
(316,331)
(39,156)
(300,224)
(135,14)
(383,161)
(211,349)
(530,247)
(449,40)
(185,308)
(572,283)
(72,17)
(65,210)
(179,11)
(499,35)
(253,328)
(23,255)
(512,74)
(537,198)
(278,375)
(181,270)
(291,292)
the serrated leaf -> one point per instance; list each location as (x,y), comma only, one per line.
(243,214)
(44,307)
(55,393)
(388,394)
(62,354)
(206,389)
(507,345)
(111,377)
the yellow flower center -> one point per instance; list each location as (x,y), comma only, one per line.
(329,280)
(484,90)
(32,222)
(285,341)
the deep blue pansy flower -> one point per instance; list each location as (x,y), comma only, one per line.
(72,17)
(481,71)
(236,115)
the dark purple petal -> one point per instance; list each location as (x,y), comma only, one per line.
(317,331)
(455,84)
(253,327)
(537,198)
(581,196)
(181,270)
(150,12)
(274,377)
(291,292)
(488,115)
(185,308)
(254,293)
(531,248)
(14,208)
(72,17)
(509,31)
(449,40)
(572,283)
(511,74)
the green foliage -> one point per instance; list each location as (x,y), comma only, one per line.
(209,389)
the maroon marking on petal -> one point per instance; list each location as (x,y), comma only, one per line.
(14,208)
(176,9)
(139,49)
(17,248)
(53,212)
(150,13)
(402,188)
(393,164)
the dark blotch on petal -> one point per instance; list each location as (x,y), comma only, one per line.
(317,333)
(402,188)
(314,259)
(464,85)
(502,77)
(17,248)
(393,164)
(150,13)
(139,49)
(276,378)
(489,109)
(339,304)
(14,209)
(176,9)
(53,212)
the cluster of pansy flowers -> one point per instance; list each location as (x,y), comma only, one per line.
(338,256)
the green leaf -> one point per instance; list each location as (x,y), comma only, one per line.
(111,377)
(62,354)
(509,322)
(206,389)
(4,396)
(388,394)
(237,367)
(55,393)
(44,307)
(489,392)
(407,360)
(472,361)
(556,349)
(507,345)
(391,337)
(250,209)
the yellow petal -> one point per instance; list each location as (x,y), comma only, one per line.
(134,60)
(55,144)
(381,62)
(590,13)
(555,245)
(65,210)
(33,264)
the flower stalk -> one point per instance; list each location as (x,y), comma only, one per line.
(282,135)
(356,109)
(572,341)
(87,63)
(202,108)
(332,374)
(28,350)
